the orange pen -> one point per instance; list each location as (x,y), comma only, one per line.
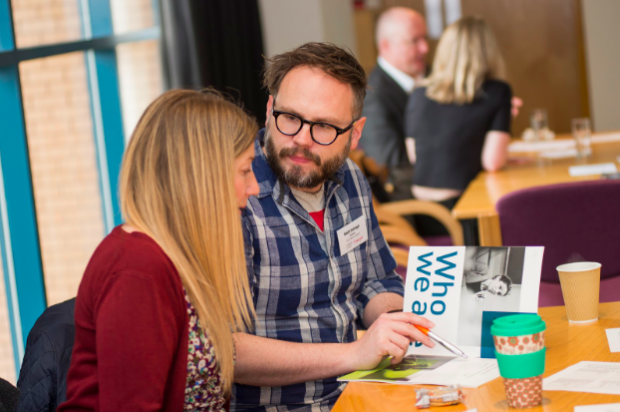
(441,341)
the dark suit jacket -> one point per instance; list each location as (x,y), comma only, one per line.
(383,137)
(43,376)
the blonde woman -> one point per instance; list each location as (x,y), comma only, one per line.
(460,118)
(163,293)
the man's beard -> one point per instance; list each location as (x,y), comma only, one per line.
(295,176)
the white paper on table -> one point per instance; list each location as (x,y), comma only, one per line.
(586,376)
(523,146)
(613,337)
(520,146)
(596,169)
(606,137)
(559,154)
(607,407)
(469,373)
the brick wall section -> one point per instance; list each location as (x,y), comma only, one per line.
(129,15)
(139,64)
(140,78)
(39,22)
(64,169)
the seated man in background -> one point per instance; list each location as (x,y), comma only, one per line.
(402,46)
(318,265)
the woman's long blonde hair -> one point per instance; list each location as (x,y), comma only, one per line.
(176,185)
(466,56)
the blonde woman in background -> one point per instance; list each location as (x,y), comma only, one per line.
(460,118)
(163,293)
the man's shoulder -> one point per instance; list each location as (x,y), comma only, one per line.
(384,94)
(380,81)
(376,75)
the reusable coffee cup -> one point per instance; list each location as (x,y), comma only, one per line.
(580,283)
(520,352)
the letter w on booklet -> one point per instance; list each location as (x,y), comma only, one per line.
(461,290)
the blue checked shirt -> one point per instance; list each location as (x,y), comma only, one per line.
(304,289)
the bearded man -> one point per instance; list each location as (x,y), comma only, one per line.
(318,265)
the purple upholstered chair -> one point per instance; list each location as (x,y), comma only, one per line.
(574,222)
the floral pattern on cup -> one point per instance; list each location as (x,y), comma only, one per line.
(519,345)
(524,393)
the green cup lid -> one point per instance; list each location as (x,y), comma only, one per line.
(517,325)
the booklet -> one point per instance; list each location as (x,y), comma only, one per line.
(399,373)
(463,289)
(430,370)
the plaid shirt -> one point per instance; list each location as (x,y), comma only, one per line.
(304,289)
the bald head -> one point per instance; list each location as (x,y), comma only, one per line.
(401,40)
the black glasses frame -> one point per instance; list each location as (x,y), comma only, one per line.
(339,131)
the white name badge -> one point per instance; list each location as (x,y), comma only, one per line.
(352,235)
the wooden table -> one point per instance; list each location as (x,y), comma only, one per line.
(566,345)
(479,199)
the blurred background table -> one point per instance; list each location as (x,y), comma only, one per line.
(566,345)
(479,199)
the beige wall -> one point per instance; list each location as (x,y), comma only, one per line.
(289,23)
(601,34)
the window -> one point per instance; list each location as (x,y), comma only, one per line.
(63,164)
(72,88)
(38,23)
(140,76)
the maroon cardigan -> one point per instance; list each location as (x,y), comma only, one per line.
(130,351)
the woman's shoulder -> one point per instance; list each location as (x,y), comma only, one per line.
(418,98)
(135,253)
(496,87)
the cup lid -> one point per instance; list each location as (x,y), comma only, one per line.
(517,325)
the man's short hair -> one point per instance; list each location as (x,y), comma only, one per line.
(331,59)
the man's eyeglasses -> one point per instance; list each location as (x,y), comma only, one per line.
(322,133)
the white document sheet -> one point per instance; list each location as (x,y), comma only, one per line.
(596,169)
(613,337)
(521,146)
(469,373)
(606,137)
(559,154)
(586,376)
(606,407)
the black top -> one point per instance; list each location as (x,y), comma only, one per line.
(9,396)
(449,137)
